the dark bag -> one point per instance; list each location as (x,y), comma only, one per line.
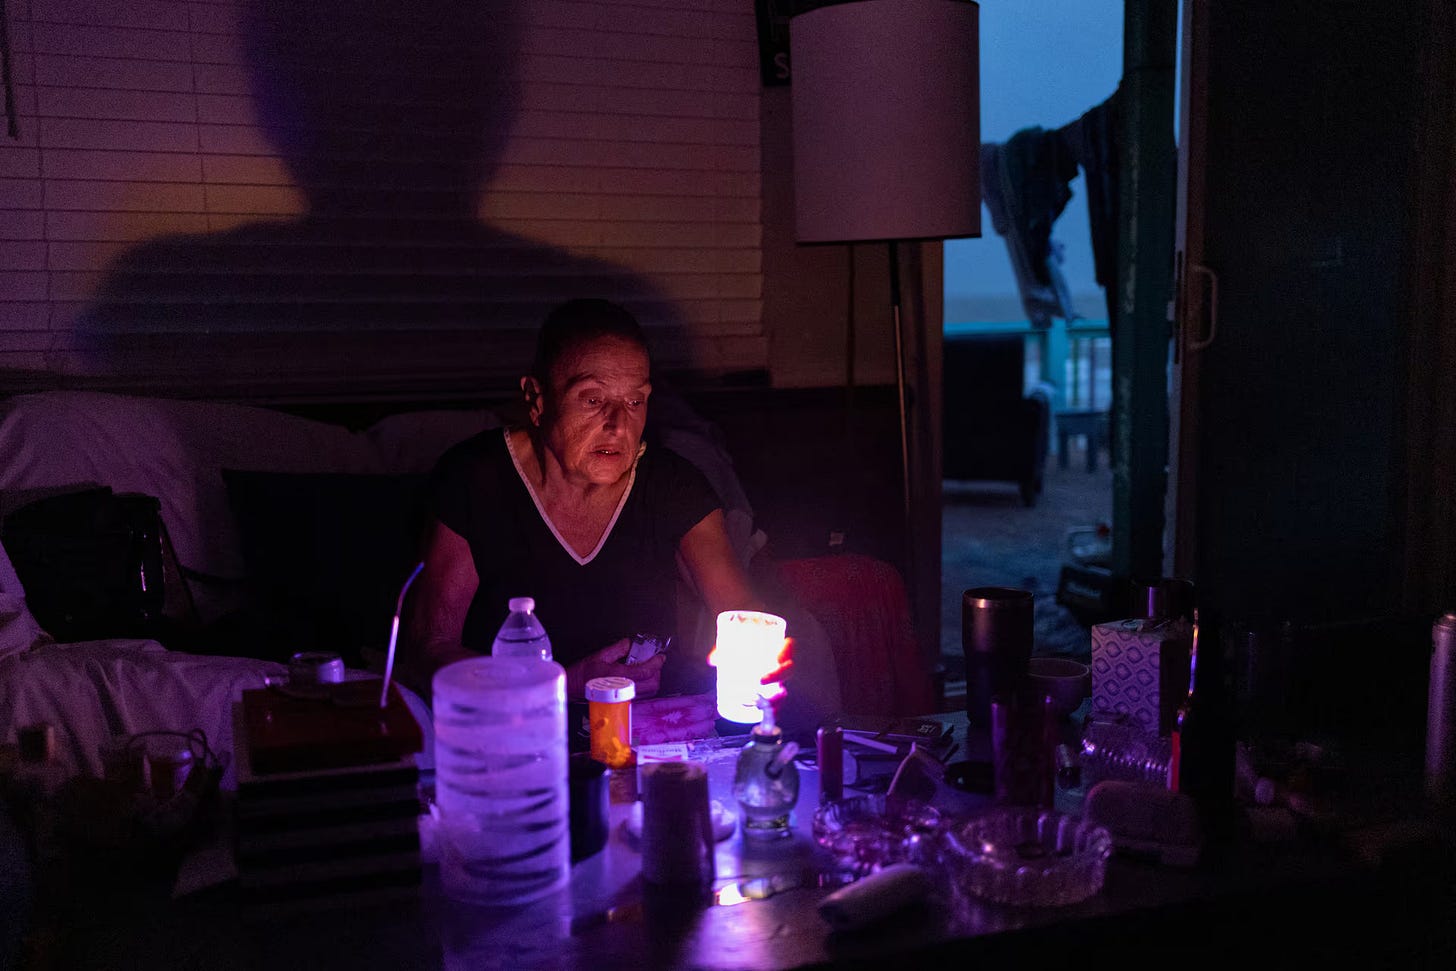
(91,563)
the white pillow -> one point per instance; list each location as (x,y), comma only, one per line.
(412,441)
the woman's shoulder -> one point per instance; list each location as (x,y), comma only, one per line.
(667,473)
(661,460)
(482,444)
(481,453)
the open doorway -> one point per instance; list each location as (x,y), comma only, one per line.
(1029,492)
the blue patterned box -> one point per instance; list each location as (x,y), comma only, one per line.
(1140,668)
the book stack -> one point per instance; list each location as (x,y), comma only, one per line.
(313,827)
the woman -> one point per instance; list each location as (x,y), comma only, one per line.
(573,509)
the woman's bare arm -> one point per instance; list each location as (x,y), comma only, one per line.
(709,554)
(435,612)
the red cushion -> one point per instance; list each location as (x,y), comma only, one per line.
(862,604)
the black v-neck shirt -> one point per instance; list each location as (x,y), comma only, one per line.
(629,586)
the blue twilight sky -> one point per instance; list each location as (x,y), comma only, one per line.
(1043,62)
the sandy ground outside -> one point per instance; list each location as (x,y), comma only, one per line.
(989,538)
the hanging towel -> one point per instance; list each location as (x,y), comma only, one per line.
(1093,140)
(1026,185)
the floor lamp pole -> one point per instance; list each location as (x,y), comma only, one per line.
(910,566)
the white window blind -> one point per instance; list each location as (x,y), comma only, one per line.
(343,196)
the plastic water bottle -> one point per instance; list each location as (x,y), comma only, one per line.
(501,795)
(522,634)
(1117,748)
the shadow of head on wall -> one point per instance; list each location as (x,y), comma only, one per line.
(391,117)
(383,108)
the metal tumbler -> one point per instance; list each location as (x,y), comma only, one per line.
(996,636)
(1162,598)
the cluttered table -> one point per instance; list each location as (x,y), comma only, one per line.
(1382,890)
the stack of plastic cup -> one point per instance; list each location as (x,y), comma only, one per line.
(501,778)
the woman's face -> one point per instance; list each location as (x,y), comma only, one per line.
(593,410)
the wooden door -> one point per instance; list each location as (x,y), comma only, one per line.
(1294,228)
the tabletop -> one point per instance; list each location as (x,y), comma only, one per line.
(761,912)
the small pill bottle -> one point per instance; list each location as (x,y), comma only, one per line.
(609,717)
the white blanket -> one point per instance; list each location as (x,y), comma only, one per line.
(95,690)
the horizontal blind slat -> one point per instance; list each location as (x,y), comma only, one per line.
(21,193)
(152,14)
(115,103)
(19,161)
(23,285)
(24,255)
(125,196)
(23,225)
(122,165)
(128,74)
(27,316)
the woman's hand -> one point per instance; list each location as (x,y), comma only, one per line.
(785,662)
(607,663)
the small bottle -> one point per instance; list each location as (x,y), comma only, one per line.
(1202,763)
(39,773)
(35,778)
(609,720)
(522,634)
(1114,747)
(1185,719)
(831,763)
(766,783)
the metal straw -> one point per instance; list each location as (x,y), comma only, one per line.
(394,635)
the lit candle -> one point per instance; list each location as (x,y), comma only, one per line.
(748,649)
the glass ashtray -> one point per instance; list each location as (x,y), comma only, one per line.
(865,833)
(1028,857)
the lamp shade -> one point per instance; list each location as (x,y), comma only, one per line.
(887,124)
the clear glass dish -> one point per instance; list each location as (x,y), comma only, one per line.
(865,833)
(1028,857)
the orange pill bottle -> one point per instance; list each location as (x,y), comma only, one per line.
(609,719)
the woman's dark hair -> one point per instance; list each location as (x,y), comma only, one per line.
(577,322)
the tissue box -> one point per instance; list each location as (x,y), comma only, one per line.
(1140,668)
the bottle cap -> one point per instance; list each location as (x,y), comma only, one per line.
(611,689)
(522,604)
(766,728)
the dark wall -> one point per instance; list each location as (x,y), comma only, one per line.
(822,471)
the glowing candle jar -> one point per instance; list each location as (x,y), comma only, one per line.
(748,648)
